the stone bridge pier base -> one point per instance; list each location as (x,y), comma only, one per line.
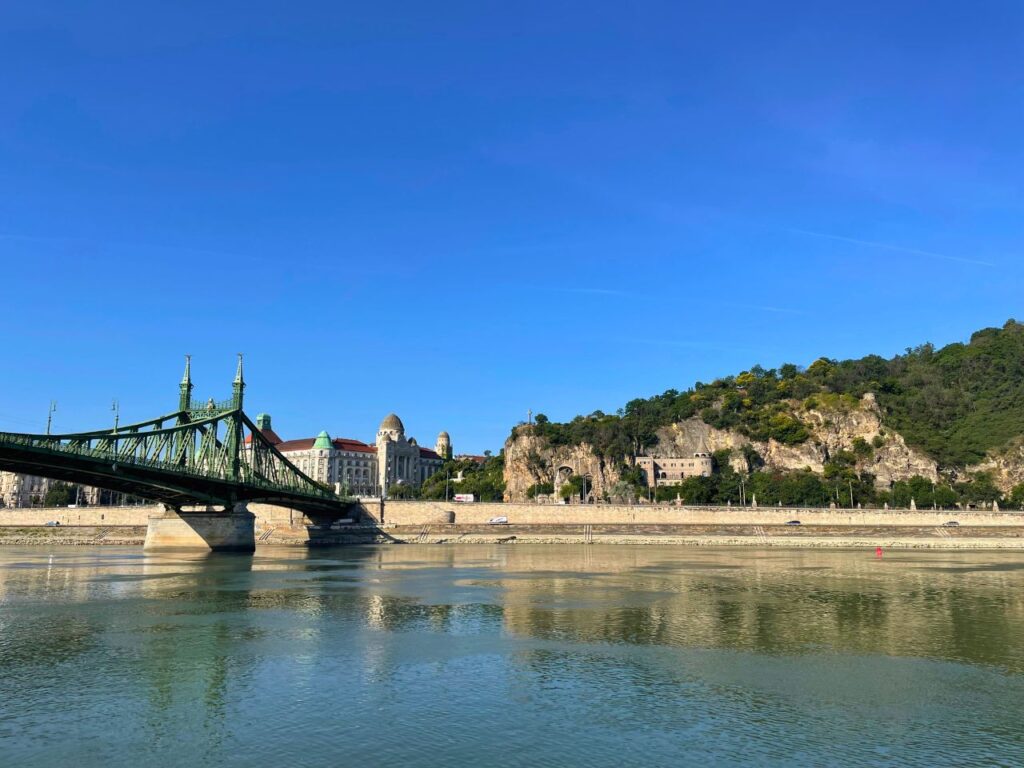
(232,530)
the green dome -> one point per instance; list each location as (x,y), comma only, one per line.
(323,440)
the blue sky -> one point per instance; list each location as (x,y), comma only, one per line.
(462,210)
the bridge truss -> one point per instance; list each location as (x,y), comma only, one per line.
(197,455)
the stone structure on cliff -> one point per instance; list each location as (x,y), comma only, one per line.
(660,470)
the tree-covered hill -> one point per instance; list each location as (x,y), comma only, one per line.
(954,404)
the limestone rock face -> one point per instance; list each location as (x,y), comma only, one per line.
(832,429)
(529,460)
(1006,466)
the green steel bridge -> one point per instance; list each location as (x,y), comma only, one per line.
(203,454)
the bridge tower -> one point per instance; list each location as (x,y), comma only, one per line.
(235,437)
(185,389)
(230,530)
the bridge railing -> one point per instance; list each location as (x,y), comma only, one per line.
(209,406)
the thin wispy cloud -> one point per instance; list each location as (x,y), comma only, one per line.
(17,237)
(678,343)
(584,290)
(706,346)
(892,247)
(767,308)
(595,291)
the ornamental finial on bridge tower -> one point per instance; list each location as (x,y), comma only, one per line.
(185,390)
(239,384)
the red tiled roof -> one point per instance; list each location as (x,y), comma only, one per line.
(339,443)
(270,434)
(426,453)
(303,444)
(347,444)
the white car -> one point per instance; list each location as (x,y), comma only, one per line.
(498,521)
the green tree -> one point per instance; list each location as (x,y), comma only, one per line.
(980,489)
(1016,497)
(571,487)
(59,495)
(484,479)
(402,491)
(861,449)
(944,497)
(540,489)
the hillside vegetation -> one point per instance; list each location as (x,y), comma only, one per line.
(954,404)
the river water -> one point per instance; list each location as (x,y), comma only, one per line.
(427,655)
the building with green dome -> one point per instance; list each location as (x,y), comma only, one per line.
(363,469)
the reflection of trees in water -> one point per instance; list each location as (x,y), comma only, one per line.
(775,608)
(983,627)
(959,606)
(44,640)
(44,634)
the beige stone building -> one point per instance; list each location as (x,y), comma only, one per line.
(17,490)
(672,471)
(363,469)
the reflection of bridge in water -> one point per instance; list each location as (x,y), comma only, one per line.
(208,455)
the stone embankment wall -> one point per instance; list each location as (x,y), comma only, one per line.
(434,512)
(106,516)
(97,516)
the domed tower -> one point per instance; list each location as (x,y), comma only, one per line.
(392,427)
(322,441)
(390,439)
(444,446)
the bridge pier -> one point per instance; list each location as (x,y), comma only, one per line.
(232,530)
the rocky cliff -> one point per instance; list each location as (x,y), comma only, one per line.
(833,427)
(1006,466)
(530,460)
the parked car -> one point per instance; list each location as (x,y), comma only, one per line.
(793,522)
(53,523)
(498,521)
(951,524)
